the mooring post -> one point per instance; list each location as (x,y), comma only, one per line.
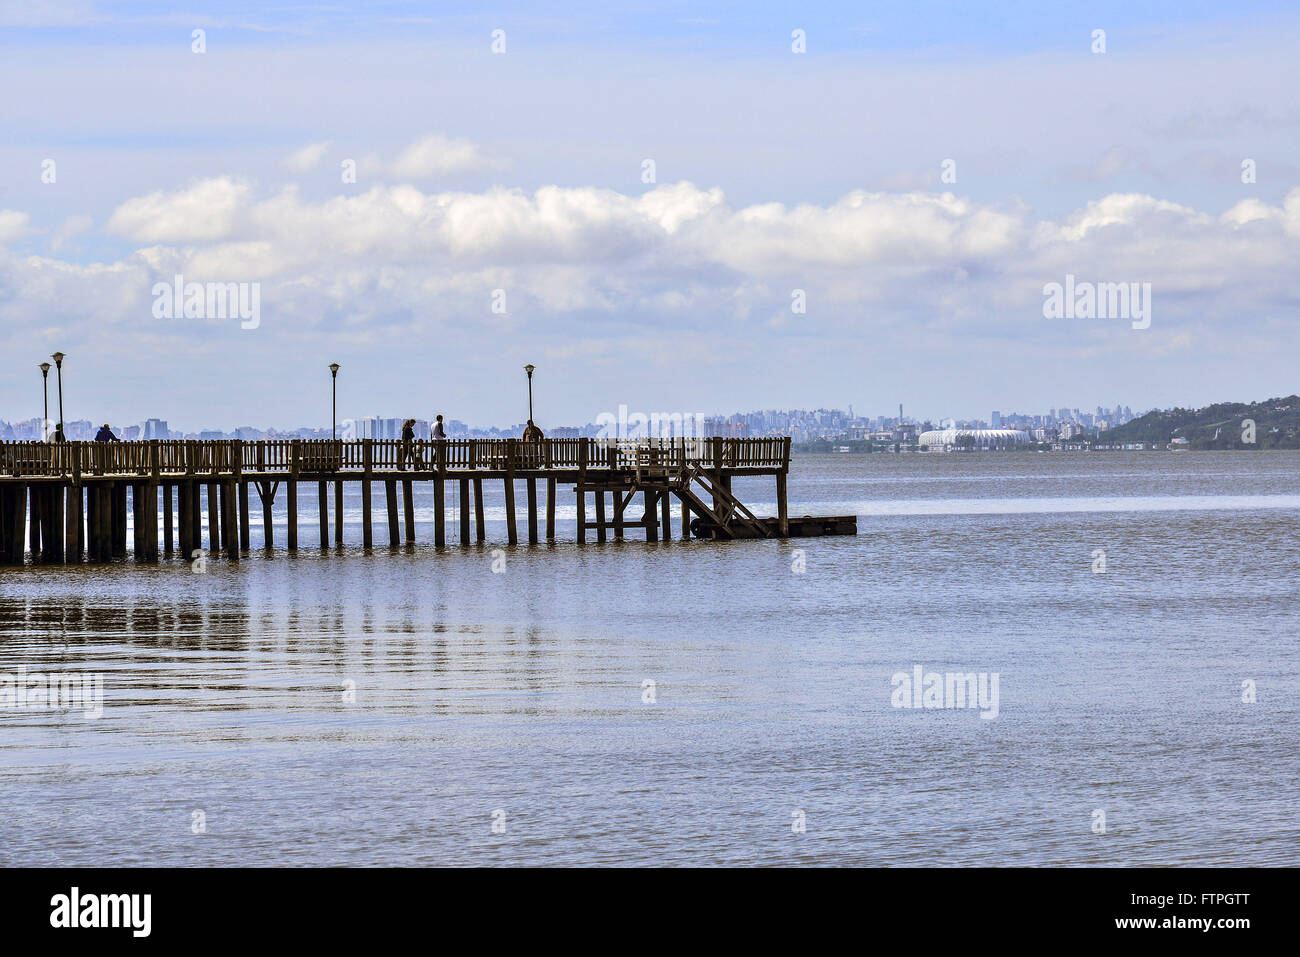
(368,467)
(512,533)
(390,502)
(295,466)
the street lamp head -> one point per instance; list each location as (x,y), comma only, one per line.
(58,359)
(529,369)
(334,369)
(45,368)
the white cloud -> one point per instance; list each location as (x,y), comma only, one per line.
(300,161)
(204,211)
(12,225)
(436,155)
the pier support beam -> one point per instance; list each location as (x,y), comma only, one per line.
(245,533)
(439,513)
(52,534)
(666,515)
(782,512)
(512,533)
(550,508)
(323,499)
(291,503)
(214,521)
(229,536)
(600,515)
(338,511)
(34,521)
(480,532)
(651,518)
(464,511)
(408,507)
(185,508)
(76,517)
(582,515)
(390,502)
(167,519)
(532,511)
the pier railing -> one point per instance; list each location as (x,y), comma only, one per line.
(296,456)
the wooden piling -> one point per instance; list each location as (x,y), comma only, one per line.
(184,492)
(323,500)
(54,524)
(119,519)
(167,519)
(439,513)
(408,507)
(480,527)
(107,496)
(76,518)
(34,521)
(150,522)
(464,511)
(550,508)
(600,515)
(338,511)
(214,520)
(230,536)
(368,471)
(782,512)
(651,518)
(390,502)
(295,467)
(532,511)
(512,532)
(245,532)
(619,504)
(666,515)
(137,522)
(582,515)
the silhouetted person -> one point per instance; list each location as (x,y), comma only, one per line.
(408,443)
(105,434)
(58,433)
(532,433)
(438,432)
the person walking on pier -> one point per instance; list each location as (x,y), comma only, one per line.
(532,433)
(407,450)
(438,433)
(105,434)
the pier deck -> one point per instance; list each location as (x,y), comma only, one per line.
(76,493)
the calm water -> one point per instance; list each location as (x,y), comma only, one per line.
(521,692)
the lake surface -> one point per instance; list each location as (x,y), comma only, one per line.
(519,697)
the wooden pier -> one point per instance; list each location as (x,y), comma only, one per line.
(67,502)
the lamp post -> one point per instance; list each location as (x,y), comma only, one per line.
(58,373)
(529,369)
(45,381)
(334,406)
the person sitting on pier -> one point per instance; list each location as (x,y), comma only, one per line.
(437,433)
(532,433)
(105,434)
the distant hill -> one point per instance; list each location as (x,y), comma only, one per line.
(1220,426)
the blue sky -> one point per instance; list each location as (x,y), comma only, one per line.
(774,172)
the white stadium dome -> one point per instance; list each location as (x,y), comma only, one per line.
(984,438)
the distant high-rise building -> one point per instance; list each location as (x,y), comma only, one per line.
(995,419)
(154,429)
